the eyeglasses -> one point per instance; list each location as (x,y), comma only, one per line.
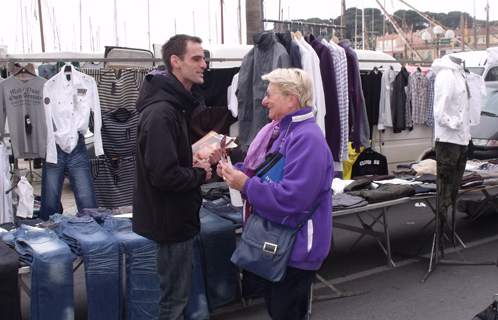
(267,94)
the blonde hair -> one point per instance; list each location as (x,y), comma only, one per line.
(293,81)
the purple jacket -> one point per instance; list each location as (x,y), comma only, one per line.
(307,180)
(332,118)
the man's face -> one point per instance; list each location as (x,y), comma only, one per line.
(190,70)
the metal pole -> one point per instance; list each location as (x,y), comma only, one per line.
(437,46)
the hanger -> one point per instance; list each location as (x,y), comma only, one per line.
(298,34)
(24,70)
(121,114)
(67,68)
(418,68)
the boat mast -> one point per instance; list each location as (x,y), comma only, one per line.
(41,27)
(209,20)
(240,23)
(81,30)
(222,34)
(148,22)
(487,24)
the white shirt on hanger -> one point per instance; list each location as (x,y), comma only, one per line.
(316,76)
(67,110)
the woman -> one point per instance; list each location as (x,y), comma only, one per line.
(307,180)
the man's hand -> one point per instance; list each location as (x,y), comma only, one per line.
(215,157)
(206,166)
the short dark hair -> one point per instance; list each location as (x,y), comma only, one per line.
(176,45)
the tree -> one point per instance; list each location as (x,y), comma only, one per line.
(254,24)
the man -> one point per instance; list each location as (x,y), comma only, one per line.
(167,195)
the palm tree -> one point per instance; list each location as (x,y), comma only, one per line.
(253,19)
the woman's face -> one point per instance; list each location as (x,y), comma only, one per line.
(277,103)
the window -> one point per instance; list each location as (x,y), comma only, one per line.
(492,74)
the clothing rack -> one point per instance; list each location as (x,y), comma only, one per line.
(91,59)
(304,23)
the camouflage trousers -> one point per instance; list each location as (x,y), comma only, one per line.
(451,160)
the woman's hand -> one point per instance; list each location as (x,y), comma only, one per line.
(233,177)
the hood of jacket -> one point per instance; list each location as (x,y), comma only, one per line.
(167,88)
(264,40)
(443,63)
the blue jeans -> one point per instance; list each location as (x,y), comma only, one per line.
(79,171)
(142,283)
(51,261)
(102,261)
(223,207)
(217,243)
(175,271)
(197,307)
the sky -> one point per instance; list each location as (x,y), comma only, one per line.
(141,23)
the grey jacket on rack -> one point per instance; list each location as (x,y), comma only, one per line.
(268,54)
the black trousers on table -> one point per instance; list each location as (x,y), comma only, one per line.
(10,301)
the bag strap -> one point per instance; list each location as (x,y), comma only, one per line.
(301,224)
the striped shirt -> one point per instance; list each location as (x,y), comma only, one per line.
(113,180)
(341,74)
(418,83)
(430,100)
(116,91)
(119,132)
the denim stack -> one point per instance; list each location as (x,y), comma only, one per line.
(217,243)
(51,261)
(142,284)
(103,264)
(223,207)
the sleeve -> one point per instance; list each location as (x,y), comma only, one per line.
(163,148)
(3,111)
(304,175)
(97,124)
(51,147)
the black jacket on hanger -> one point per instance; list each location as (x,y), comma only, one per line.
(398,100)
(292,48)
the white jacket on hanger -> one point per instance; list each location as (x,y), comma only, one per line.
(451,103)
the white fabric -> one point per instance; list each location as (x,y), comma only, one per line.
(313,68)
(6,214)
(477,88)
(386,90)
(233,102)
(492,55)
(67,107)
(338,185)
(24,191)
(310,234)
(451,103)
(398,181)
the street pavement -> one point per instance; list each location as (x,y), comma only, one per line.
(457,291)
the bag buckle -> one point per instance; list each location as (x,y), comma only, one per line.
(270,248)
